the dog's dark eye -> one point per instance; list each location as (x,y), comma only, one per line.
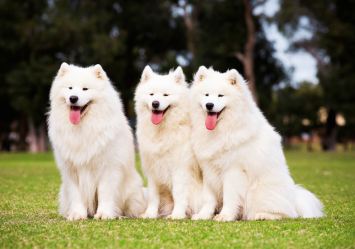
(220,95)
(85,89)
(70,88)
(151,94)
(166,94)
(207,94)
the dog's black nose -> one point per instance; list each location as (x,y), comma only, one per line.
(155,104)
(73,99)
(209,106)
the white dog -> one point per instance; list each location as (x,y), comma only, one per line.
(244,169)
(163,132)
(93,147)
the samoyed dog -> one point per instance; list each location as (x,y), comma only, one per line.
(245,173)
(93,147)
(163,133)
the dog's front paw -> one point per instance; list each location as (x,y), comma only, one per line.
(201,217)
(76,216)
(103,216)
(176,216)
(146,216)
(268,216)
(222,217)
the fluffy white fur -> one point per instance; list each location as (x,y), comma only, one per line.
(245,173)
(174,178)
(96,156)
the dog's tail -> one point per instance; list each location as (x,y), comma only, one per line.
(307,204)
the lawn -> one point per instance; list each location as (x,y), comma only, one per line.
(29,187)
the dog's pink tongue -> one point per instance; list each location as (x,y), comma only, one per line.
(75,115)
(157,116)
(211,120)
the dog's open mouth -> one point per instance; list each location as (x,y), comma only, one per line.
(157,116)
(76,112)
(211,119)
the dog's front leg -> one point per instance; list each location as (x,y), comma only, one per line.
(78,209)
(234,185)
(153,200)
(180,191)
(209,203)
(108,196)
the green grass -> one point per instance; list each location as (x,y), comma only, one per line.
(29,187)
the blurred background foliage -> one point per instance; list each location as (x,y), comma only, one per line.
(36,36)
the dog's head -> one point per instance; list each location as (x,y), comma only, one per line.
(78,88)
(216,92)
(160,93)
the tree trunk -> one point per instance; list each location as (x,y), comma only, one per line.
(42,137)
(190,23)
(190,33)
(247,59)
(310,141)
(5,143)
(329,140)
(32,137)
(128,75)
(22,146)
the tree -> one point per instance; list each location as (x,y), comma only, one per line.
(247,58)
(296,110)
(28,63)
(332,45)
(191,22)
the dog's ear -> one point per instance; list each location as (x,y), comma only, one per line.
(201,74)
(99,72)
(63,69)
(179,76)
(232,76)
(147,74)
